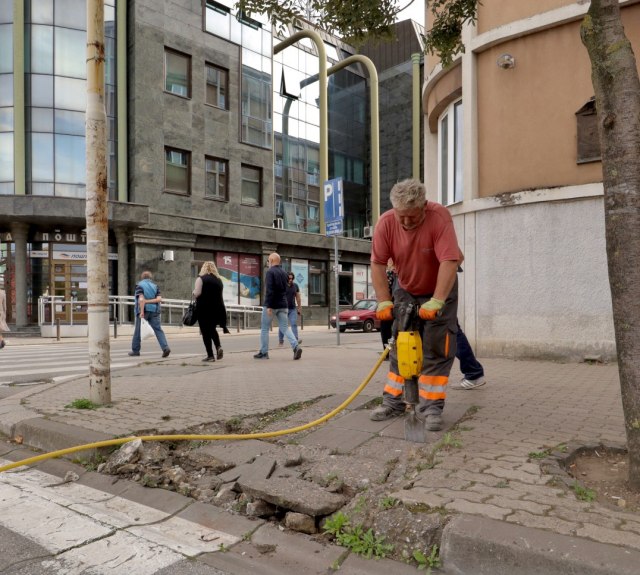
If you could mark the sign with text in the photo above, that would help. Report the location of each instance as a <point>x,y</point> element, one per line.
<point>333,207</point>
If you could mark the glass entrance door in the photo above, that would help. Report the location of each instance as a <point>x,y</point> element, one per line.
<point>69,281</point>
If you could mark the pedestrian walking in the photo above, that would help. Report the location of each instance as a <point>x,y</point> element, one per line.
<point>294,307</point>
<point>3,317</point>
<point>420,238</point>
<point>275,305</point>
<point>147,306</point>
<point>471,368</point>
<point>210,307</point>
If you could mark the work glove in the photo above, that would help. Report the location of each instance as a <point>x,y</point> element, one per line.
<point>384,311</point>
<point>430,309</point>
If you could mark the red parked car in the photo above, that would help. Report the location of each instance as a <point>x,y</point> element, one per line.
<point>362,315</point>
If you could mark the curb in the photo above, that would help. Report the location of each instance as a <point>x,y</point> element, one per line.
<point>483,546</point>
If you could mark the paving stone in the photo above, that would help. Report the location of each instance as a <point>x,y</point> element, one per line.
<point>543,522</point>
<point>529,506</point>
<point>421,496</point>
<point>517,475</point>
<point>336,439</point>
<point>464,506</point>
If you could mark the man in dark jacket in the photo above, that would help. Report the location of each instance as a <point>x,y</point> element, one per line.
<point>275,304</point>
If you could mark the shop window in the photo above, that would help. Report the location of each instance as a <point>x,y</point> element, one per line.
<point>251,186</point>
<point>177,73</point>
<point>216,184</point>
<point>177,171</point>
<point>588,135</point>
<point>217,86</point>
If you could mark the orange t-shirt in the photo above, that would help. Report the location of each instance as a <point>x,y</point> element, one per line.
<point>416,253</point>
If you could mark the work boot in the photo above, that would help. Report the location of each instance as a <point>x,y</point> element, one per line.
<point>297,352</point>
<point>433,422</point>
<point>166,352</point>
<point>261,355</point>
<point>384,412</point>
<point>220,353</point>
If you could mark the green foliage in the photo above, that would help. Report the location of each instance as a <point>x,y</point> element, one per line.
<point>445,36</point>
<point>427,562</point>
<point>584,493</point>
<point>336,523</point>
<point>388,502</point>
<point>354,21</point>
<point>82,403</point>
<point>355,538</point>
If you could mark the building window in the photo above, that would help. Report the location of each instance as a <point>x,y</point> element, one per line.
<point>256,104</point>
<point>251,186</point>
<point>450,154</point>
<point>177,171</point>
<point>317,283</point>
<point>217,87</point>
<point>216,184</point>
<point>177,73</point>
<point>588,135</point>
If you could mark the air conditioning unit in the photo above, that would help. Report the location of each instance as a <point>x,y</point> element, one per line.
<point>367,232</point>
<point>278,223</point>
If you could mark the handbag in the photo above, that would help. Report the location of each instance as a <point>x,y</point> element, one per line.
<point>146,330</point>
<point>190,316</point>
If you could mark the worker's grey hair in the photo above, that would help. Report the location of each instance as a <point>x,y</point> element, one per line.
<point>408,194</point>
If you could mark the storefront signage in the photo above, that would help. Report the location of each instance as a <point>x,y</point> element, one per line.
<point>73,237</point>
<point>62,255</point>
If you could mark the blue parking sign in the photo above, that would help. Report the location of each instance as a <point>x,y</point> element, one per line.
<point>333,207</point>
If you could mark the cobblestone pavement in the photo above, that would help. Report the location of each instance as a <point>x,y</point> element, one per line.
<point>526,406</point>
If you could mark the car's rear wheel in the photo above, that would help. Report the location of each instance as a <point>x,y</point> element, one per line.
<point>343,329</point>
<point>367,326</point>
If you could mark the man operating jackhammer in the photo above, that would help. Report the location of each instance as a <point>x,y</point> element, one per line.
<point>420,238</point>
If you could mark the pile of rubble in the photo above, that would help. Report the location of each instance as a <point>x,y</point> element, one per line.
<point>294,485</point>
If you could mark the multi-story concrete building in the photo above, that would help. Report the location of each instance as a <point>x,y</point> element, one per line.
<point>199,112</point>
<point>512,149</point>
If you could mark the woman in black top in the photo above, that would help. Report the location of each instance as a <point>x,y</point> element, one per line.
<point>210,308</point>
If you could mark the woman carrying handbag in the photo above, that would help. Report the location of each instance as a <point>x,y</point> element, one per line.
<point>210,307</point>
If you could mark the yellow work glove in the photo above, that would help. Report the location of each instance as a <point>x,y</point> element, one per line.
<point>430,309</point>
<point>384,311</point>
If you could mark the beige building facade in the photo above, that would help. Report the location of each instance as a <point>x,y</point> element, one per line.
<point>511,148</point>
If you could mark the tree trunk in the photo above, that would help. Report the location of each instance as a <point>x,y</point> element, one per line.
<point>617,91</point>
<point>96,210</point>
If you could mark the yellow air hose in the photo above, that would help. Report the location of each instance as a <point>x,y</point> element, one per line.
<point>234,436</point>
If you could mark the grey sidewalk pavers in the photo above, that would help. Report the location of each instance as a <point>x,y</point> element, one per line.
<point>526,406</point>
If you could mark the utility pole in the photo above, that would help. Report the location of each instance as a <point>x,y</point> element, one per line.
<point>97,214</point>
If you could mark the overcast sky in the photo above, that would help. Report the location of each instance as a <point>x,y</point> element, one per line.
<point>415,11</point>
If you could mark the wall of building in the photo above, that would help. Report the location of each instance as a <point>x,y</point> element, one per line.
<point>531,223</point>
<point>535,281</point>
<point>495,13</point>
<point>526,114</point>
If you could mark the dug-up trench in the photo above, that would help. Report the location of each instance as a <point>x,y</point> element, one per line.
<point>304,488</point>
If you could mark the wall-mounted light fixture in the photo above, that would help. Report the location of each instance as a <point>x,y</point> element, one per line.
<point>506,61</point>
<point>167,256</point>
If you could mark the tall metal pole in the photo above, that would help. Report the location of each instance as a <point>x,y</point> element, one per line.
<point>336,273</point>
<point>96,210</point>
<point>415,59</point>
<point>324,114</point>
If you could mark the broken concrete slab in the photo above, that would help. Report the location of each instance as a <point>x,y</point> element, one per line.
<point>260,469</point>
<point>294,494</point>
<point>337,439</point>
<point>237,452</point>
